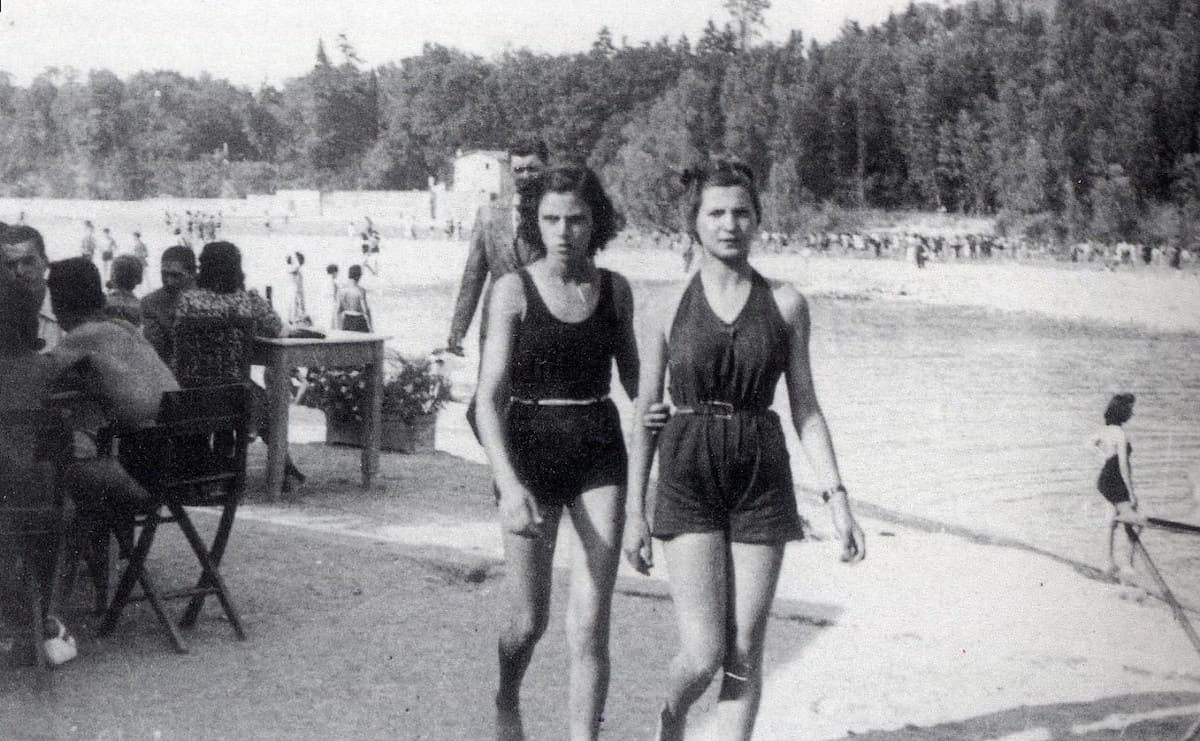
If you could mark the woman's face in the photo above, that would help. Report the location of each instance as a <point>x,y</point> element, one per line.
<point>726,223</point>
<point>565,223</point>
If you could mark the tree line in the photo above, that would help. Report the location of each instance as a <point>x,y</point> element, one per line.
<point>1083,122</point>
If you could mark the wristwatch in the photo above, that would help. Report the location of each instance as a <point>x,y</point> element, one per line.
<point>828,493</point>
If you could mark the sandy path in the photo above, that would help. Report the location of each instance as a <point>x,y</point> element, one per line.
<point>1006,629</point>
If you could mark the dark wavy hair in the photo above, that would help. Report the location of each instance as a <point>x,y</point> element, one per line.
<point>1119,409</point>
<point>716,173</point>
<point>581,182</point>
<point>20,234</point>
<point>221,268</point>
<point>127,272</point>
<point>181,254</point>
<point>75,288</point>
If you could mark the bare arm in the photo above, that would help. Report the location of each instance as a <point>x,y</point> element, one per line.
<point>518,510</point>
<point>266,322</point>
<point>655,325</point>
<point>810,423</point>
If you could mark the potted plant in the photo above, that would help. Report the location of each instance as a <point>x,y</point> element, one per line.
<point>414,390</point>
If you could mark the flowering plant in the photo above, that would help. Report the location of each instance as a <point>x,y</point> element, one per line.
<point>411,389</point>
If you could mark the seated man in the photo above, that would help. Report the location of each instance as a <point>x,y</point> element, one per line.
<point>158,308</point>
<point>29,379</point>
<point>121,376</point>
<point>121,302</point>
<point>124,373</point>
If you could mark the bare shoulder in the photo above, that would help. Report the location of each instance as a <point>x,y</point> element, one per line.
<point>793,307</point>
<point>508,295</point>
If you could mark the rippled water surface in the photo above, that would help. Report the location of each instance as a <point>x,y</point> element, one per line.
<point>979,419</point>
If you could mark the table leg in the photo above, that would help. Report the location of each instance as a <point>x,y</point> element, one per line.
<point>372,424</point>
<point>278,401</point>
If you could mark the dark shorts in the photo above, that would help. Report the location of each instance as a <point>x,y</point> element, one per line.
<point>726,475</point>
<point>354,323</point>
<point>559,452</point>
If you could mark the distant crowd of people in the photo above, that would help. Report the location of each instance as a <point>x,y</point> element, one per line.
<point>919,249</point>
<point>191,227</point>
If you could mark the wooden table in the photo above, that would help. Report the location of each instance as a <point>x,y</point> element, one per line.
<point>338,348</point>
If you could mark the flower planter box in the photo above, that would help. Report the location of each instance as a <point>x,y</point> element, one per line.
<point>396,435</point>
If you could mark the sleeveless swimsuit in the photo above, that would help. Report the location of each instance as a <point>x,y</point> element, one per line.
<point>560,451</point>
<point>723,463</point>
<point>1110,483</point>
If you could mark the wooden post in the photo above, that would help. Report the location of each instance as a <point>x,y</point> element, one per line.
<point>1167,595</point>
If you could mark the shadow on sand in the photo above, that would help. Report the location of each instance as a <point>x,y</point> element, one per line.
<point>1147,716</point>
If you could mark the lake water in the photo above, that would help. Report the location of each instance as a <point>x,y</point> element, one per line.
<point>974,419</point>
<point>979,420</point>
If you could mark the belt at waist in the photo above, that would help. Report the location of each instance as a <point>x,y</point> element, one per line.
<point>560,402</point>
<point>719,409</point>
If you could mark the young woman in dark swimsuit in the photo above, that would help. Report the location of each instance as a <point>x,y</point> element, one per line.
<point>1115,482</point>
<point>554,438</point>
<point>725,504</point>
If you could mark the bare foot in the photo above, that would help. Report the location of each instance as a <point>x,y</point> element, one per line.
<point>669,728</point>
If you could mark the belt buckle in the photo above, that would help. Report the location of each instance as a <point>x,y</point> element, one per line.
<point>720,409</point>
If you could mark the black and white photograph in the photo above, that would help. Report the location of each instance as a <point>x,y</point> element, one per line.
<point>707,370</point>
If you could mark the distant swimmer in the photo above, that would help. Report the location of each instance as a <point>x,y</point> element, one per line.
<point>1115,482</point>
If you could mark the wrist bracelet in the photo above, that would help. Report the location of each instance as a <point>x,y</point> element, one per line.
<point>828,493</point>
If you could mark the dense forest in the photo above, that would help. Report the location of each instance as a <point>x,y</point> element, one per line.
<point>1084,122</point>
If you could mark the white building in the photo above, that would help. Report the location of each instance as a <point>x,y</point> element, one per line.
<point>480,171</point>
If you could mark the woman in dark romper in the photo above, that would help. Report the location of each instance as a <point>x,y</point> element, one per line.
<point>554,438</point>
<point>725,505</point>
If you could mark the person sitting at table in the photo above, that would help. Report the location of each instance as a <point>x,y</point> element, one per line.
<point>121,303</point>
<point>121,377</point>
<point>178,270</point>
<point>220,297</point>
<point>29,378</point>
<point>124,372</point>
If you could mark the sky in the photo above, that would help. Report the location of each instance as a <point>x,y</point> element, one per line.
<point>250,42</point>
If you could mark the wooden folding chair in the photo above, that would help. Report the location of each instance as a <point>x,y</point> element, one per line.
<point>34,516</point>
<point>195,456</point>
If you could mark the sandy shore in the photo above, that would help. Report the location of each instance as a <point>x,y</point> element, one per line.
<point>932,637</point>
<point>930,632</point>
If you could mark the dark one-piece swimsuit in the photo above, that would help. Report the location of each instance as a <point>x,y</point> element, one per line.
<point>1110,483</point>
<point>560,451</point>
<point>724,467</point>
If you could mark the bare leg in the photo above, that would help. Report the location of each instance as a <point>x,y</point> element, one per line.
<point>1111,541</point>
<point>528,569</point>
<point>698,574</point>
<point>753,575</point>
<point>598,517</point>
